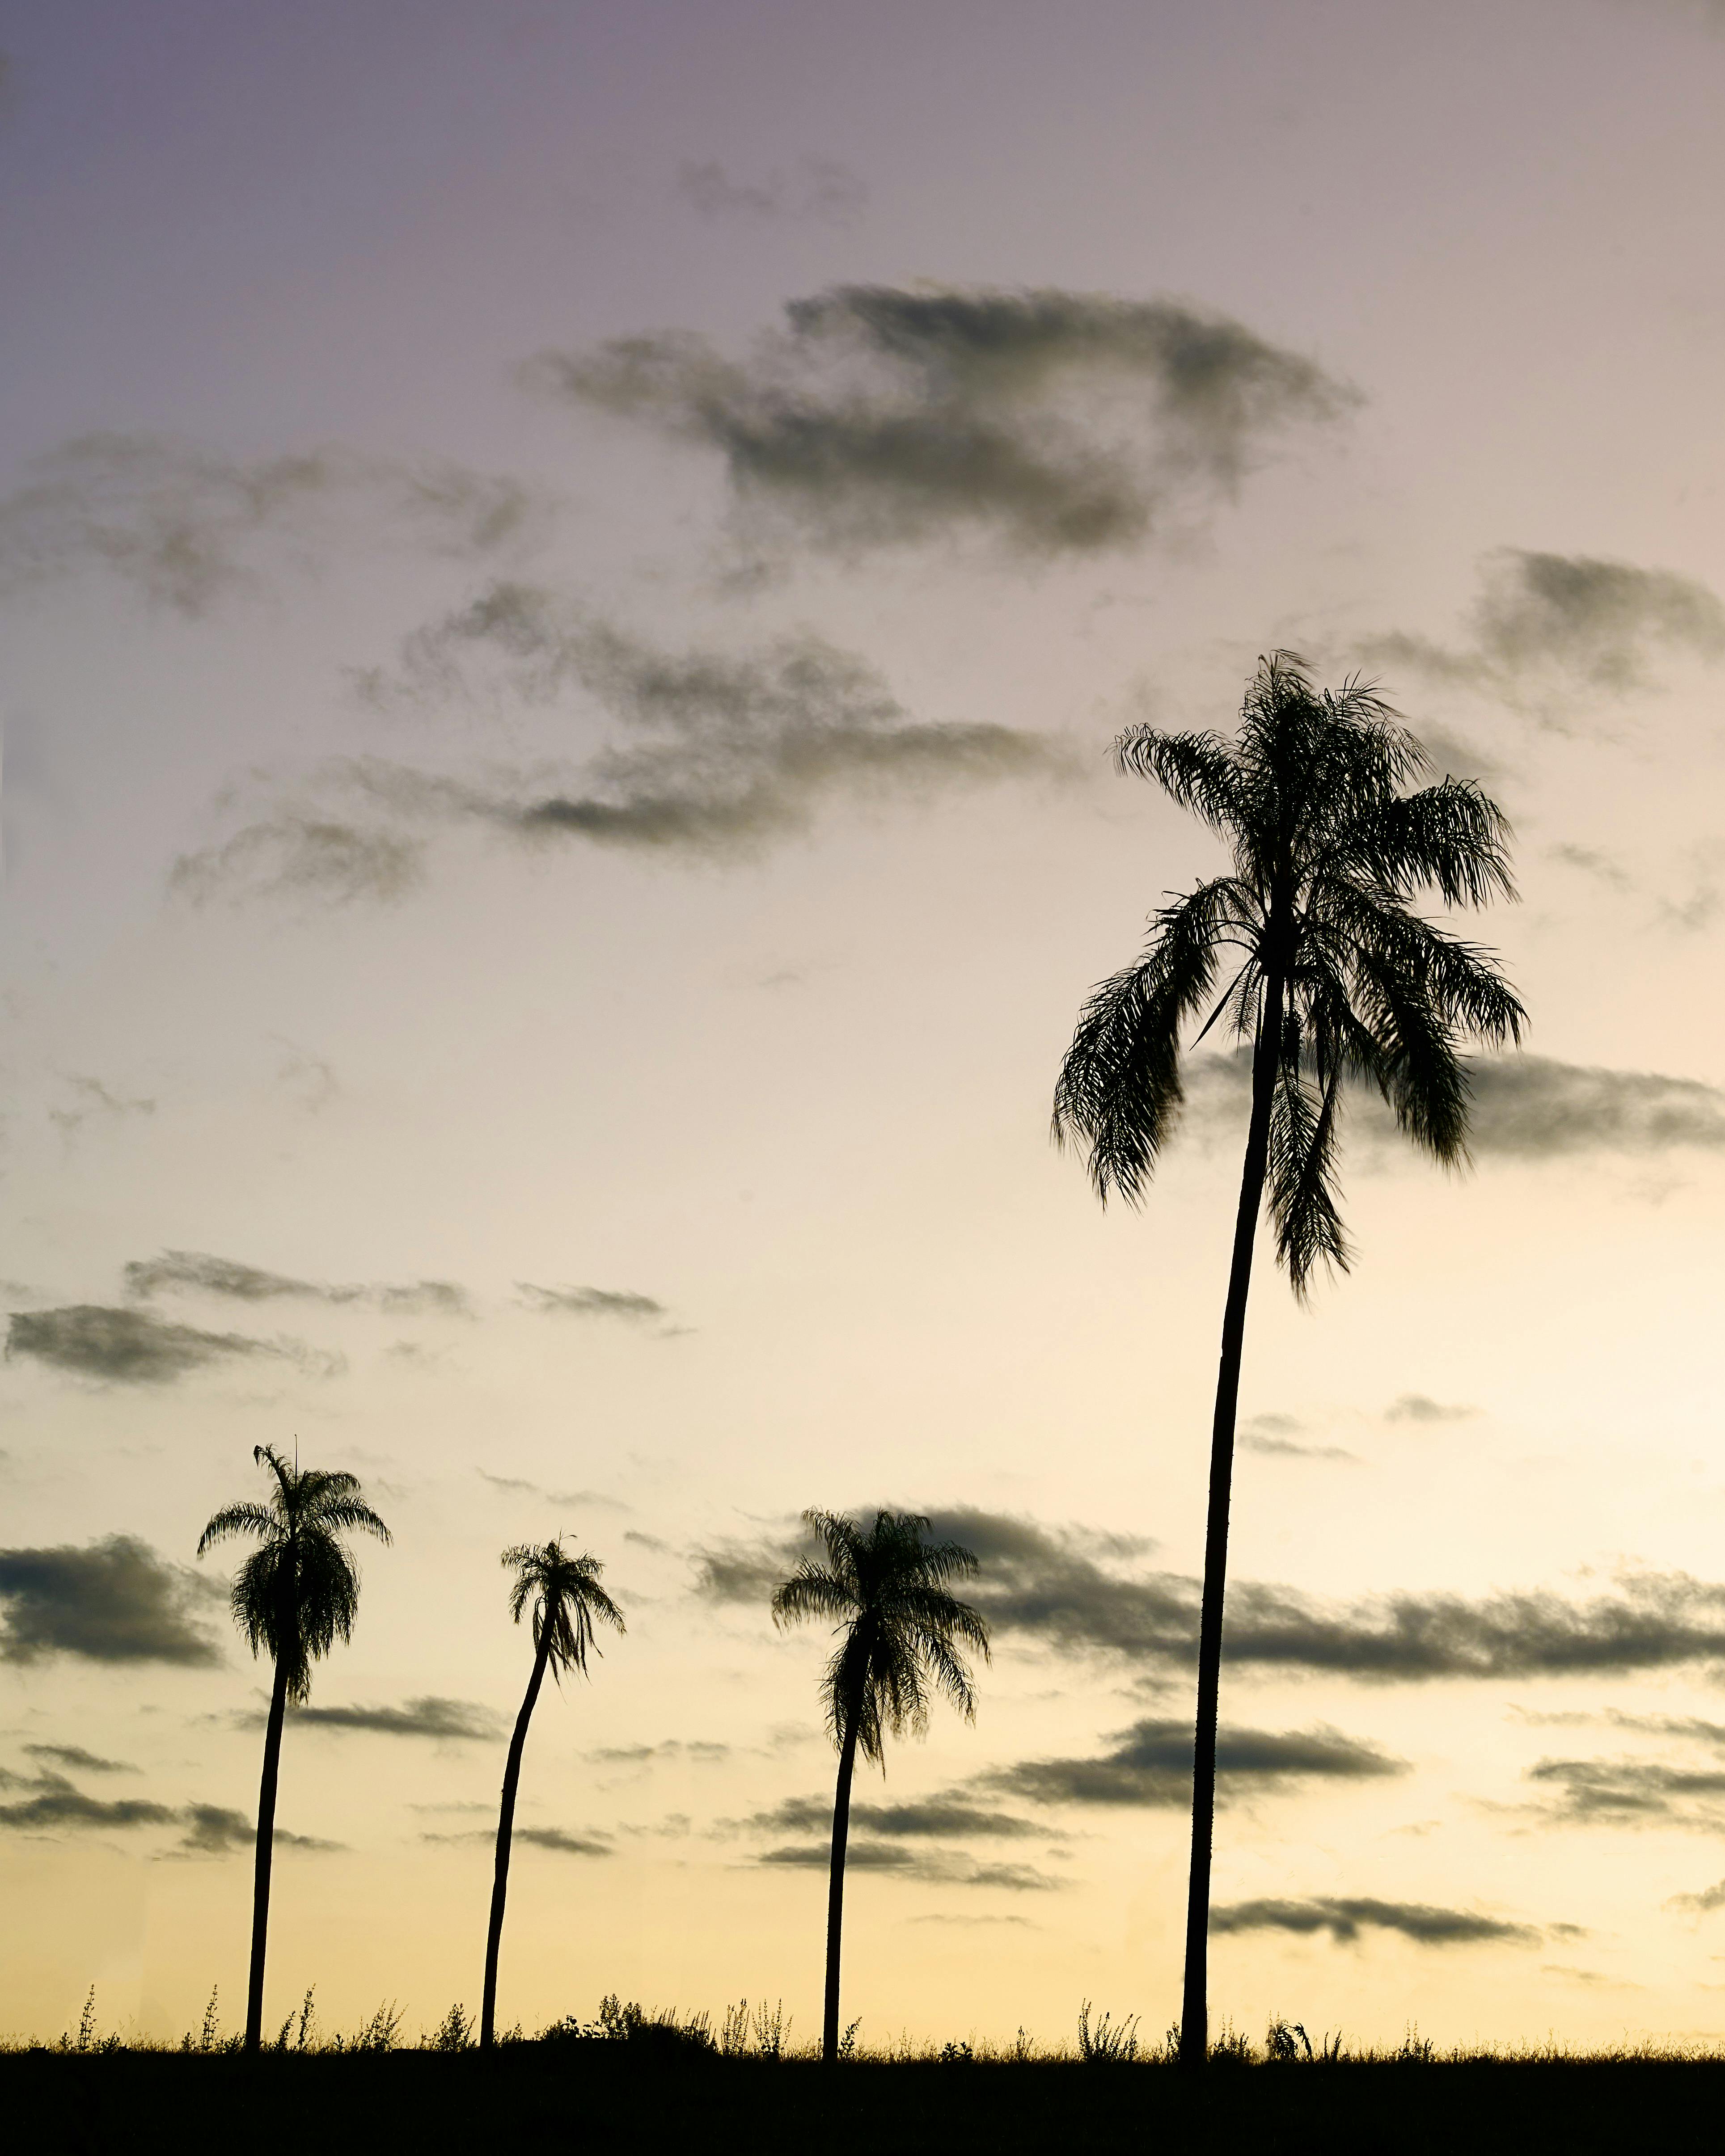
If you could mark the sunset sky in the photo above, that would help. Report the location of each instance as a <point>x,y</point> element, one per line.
<point>570,571</point>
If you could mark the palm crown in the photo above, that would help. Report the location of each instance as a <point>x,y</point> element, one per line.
<point>566,1596</point>
<point>887,1587</point>
<point>1335,974</point>
<point>297,1593</point>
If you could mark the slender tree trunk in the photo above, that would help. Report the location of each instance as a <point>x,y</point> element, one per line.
<point>266,1850</point>
<point>506,1827</point>
<point>1194,2008</point>
<point>835,1892</point>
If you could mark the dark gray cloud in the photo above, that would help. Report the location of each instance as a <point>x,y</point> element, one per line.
<point>74,1758</point>
<point>129,1347</point>
<point>1344,1917</point>
<point>818,189</point>
<point>196,1272</point>
<point>187,527</point>
<point>920,1819</point>
<point>562,1842</point>
<point>1547,628</point>
<point>943,1867</point>
<point>1151,1765</point>
<point>218,1830</point>
<point>1056,421</point>
<point>113,1601</point>
<point>592,1302</point>
<point>58,1805</point>
<point>1072,1592</point>
<point>450,1721</point>
<point>720,755</point>
<point>1629,1792</point>
<point>1523,1107</point>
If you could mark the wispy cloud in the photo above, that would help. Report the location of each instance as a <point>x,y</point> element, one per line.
<point>1548,629</point>
<point>818,190</point>
<point>187,525</point>
<point>76,1760</point>
<point>112,1601</point>
<point>1421,1407</point>
<point>121,1347</point>
<point>196,1272</point>
<point>946,1817</point>
<point>1057,421</point>
<point>622,1303</point>
<point>446,1721</point>
<point>943,1867</point>
<point>1344,1917</point>
<point>1274,1437</point>
<point>1151,1765</point>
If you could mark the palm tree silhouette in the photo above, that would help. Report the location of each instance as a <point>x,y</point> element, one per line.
<point>294,1597</point>
<point>567,1597</point>
<point>885,1590</point>
<point>1336,977</point>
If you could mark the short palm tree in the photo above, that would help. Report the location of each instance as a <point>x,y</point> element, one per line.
<point>1334,977</point>
<point>899,1632</point>
<point>566,1597</point>
<point>294,1597</point>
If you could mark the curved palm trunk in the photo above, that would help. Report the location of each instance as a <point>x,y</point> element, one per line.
<point>266,1850</point>
<point>835,1891</point>
<point>1194,2007</point>
<point>506,1827</point>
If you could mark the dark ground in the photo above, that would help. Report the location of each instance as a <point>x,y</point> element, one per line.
<point>600,2098</point>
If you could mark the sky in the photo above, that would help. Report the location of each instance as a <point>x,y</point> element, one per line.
<point>570,574</point>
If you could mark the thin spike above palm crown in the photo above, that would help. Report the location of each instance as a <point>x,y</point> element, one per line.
<point>884,1589</point>
<point>567,1599</point>
<point>1330,855</point>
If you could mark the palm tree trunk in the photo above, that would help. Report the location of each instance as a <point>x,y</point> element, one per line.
<point>506,1827</point>
<point>1194,2007</point>
<point>266,1850</point>
<point>835,1891</point>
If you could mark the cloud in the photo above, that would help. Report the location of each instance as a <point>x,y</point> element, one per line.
<point>218,1830</point>
<point>938,1866</point>
<point>75,1756</point>
<point>702,1751</point>
<point>1704,1903</point>
<point>1058,422</point>
<point>448,1721</point>
<point>1344,1919</point>
<point>592,1302</point>
<point>94,1099</point>
<point>186,525</point>
<point>1271,1436</point>
<point>114,1601</point>
<point>57,1804</point>
<point>1629,1792</point>
<point>721,755</point>
<point>296,854</point>
<point>129,1347</point>
<point>554,1838</point>
<point>1151,1765</point>
<point>1547,627</point>
<point>1420,1407</point>
<point>918,1820</point>
<point>514,1482</point>
<point>196,1272</point>
<point>820,189</point>
<point>1069,1592</point>
<point>1523,1107</point>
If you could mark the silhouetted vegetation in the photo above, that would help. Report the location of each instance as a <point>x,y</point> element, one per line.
<point>884,1587</point>
<point>1334,978</point>
<point>565,1597</point>
<point>636,2078</point>
<point>294,1597</point>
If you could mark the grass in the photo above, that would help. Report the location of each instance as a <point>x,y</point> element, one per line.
<point>633,2079</point>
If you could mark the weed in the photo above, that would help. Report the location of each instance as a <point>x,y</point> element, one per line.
<point>1104,2044</point>
<point>454,2033</point>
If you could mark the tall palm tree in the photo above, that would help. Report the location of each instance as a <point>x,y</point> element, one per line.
<point>884,1587</point>
<point>566,1596</point>
<point>295,1596</point>
<point>1334,978</point>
